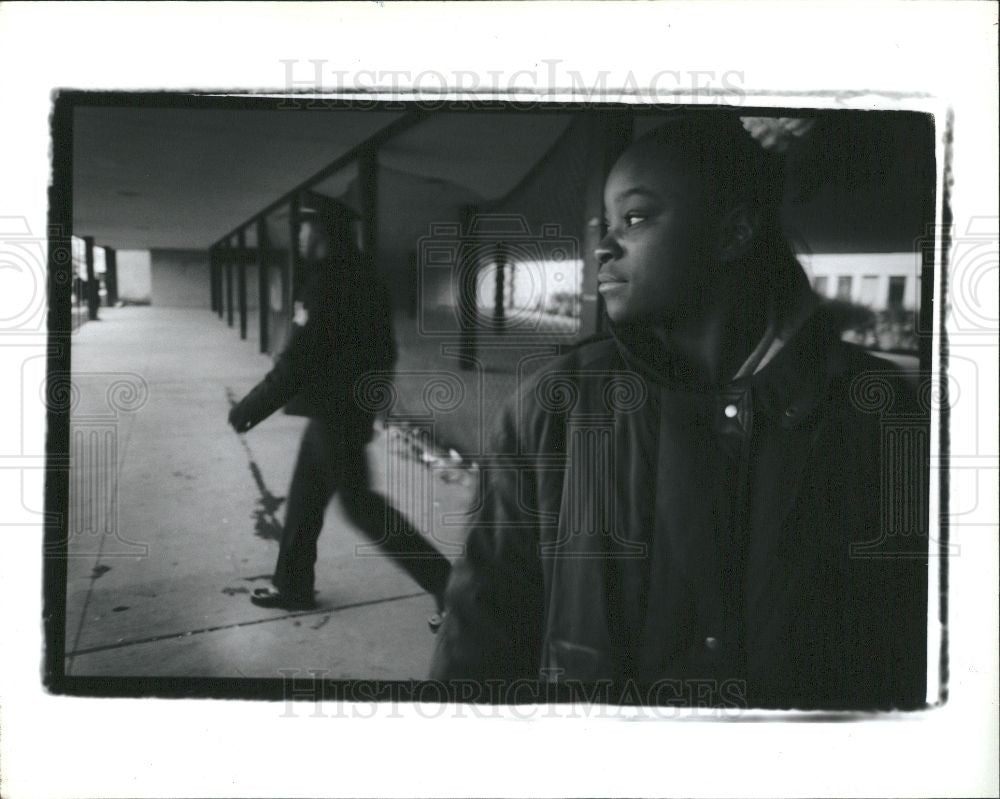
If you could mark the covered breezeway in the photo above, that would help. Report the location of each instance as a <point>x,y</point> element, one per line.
<point>483,224</point>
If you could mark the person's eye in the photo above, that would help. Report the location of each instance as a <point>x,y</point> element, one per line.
<point>632,219</point>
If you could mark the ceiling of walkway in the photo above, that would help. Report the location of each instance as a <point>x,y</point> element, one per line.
<point>170,177</point>
<point>183,177</point>
<point>147,177</point>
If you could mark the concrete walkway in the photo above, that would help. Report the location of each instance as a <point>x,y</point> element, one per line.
<point>174,519</point>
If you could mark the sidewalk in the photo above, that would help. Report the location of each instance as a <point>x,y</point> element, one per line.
<point>174,519</point>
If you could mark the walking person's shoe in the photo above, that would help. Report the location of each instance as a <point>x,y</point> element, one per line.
<point>435,620</point>
<point>273,598</point>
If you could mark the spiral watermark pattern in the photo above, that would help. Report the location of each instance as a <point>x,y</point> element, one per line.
<point>128,394</point>
<point>873,392</point>
<point>375,392</point>
<point>443,393</point>
<point>625,393</point>
<point>938,392</point>
<point>557,392</point>
<point>60,393</point>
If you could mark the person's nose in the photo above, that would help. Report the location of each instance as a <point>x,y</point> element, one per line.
<point>607,249</point>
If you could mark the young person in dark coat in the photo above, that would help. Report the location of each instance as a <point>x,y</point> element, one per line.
<point>347,334</point>
<point>701,506</point>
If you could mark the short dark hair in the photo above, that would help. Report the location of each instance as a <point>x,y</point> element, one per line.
<point>732,166</point>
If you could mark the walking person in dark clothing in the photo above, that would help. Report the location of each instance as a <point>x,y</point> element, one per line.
<point>346,334</point>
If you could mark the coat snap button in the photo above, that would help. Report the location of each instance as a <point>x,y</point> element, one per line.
<point>731,411</point>
<point>712,643</point>
<point>791,410</point>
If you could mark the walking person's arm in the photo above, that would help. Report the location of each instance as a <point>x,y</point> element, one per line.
<point>308,353</point>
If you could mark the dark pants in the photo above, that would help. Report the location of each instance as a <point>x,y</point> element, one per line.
<point>333,460</point>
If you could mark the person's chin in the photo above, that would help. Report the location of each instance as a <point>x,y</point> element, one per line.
<point>622,312</point>
<point>616,303</point>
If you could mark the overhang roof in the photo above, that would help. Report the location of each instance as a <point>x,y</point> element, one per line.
<point>148,177</point>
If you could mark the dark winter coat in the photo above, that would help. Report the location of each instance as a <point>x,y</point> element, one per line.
<point>346,342</point>
<point>766,538</point>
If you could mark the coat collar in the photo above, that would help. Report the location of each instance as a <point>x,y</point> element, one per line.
<point>791,385</point>
<point>788,370</point>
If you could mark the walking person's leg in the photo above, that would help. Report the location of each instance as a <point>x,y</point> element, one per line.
<point>313,485</point>
<point>377,519</point>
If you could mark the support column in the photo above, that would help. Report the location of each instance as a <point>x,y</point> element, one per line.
<point>111,275</point>
<point>241,281</point>
<point>368,178</point>
<point>93,294</point>
<point>263,297</point>
<point>213,275</point>
<point>216,261</point>
<point>610,133</point>
<point>468,270</point>
<point>499,317</point>
<point>295,257</point>
<point>227,256</point>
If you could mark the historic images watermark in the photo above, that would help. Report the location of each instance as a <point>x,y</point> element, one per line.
<point>22,277</point>
<point>98,403</point>
<point>975,266</point>
<point>307,695</point>
<point>546,81</point>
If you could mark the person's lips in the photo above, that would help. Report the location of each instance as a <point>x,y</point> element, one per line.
<point>607,281</point>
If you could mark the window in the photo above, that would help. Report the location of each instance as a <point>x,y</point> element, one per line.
<point>844,285</point>
<point>869,290</point>
<point>897,292</point>
<point>819,285</point>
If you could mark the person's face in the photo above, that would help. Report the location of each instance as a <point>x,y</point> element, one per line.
<point>313,243</point>
<point>655,262</point>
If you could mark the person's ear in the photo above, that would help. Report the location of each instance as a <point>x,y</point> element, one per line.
<point>737,231</point>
